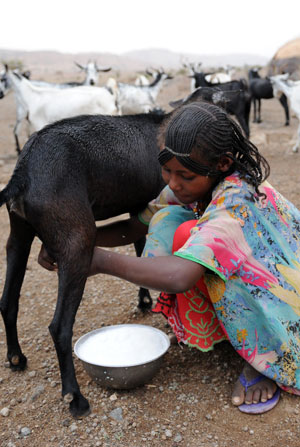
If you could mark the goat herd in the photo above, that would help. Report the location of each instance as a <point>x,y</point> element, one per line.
<point>89,165</point>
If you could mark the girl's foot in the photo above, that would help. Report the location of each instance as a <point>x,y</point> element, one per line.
<point>173,339</point>
<point>259,392</point>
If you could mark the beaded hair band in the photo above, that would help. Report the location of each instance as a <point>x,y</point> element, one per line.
<point>166,154</point>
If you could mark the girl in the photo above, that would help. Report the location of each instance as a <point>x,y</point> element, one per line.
<point>224,248</point>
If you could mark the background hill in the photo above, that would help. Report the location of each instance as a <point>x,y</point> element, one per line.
<point>43,62</point>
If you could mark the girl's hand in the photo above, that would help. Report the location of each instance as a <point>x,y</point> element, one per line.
<point>45,261</point>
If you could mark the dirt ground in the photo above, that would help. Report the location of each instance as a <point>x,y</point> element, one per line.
<point>188,403</point>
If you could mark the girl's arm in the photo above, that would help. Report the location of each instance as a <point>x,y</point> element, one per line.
<point>115,234</point>
<point>170,274</point>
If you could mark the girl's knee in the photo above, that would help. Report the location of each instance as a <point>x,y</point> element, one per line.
<point>182,234</point>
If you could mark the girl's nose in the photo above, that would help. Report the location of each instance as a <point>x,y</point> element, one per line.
<point>173,184</point>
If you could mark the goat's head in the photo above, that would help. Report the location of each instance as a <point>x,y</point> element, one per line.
<point>92,72</point>
<point>4,83</point>
<point>277,82</point>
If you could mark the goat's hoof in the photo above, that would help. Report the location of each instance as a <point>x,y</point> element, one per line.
<point>295,150</point>
<point>287,123</point>
<point>145,306</point>
<point>17,362</point>
<point>79,407</point>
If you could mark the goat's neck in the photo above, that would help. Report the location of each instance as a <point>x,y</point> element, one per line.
<point>155,88</point>
<point>24,88</point>
<point>283,87</point>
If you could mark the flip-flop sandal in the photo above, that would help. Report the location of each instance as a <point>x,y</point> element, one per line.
<point>260,407</point>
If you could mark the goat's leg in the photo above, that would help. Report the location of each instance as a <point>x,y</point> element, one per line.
<point>18,249</point>
<point>254,110</point>
<point>73,261</point>
<point>244,125</point>
<point>21,115</point>
<point>16,135</point>
<point>284,102</point>
<point>258,109</point>
<point>297,145</point>
<point>145,300</point>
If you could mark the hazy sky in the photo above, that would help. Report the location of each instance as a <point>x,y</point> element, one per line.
<point>116,26</point>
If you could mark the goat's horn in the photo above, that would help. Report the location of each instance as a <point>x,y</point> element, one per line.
<point>78,65</point>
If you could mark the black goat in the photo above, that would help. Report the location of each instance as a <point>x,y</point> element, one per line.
<point>214,95</point>
<point>261,88</point>
<point>241,107</point>
<point>68,175</point>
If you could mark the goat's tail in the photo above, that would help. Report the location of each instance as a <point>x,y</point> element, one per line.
<point>12,190</point>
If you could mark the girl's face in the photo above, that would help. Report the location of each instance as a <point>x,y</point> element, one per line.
<point>187,186</point>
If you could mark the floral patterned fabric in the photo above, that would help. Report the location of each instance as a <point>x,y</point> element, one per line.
<point>250,246</point>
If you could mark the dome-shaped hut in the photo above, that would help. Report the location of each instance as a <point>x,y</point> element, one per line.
<point>287,59</point>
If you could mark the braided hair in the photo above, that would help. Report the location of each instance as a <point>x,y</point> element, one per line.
<point>206,132</point>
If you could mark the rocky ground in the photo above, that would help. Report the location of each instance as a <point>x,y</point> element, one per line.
<point>188,402</point>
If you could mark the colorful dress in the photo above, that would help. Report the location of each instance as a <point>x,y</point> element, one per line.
<point>250,293</point>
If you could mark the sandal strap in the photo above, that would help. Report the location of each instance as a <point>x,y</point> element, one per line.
<point>247,384</point>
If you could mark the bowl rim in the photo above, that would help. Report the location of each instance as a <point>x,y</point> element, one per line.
<point>88,334</point>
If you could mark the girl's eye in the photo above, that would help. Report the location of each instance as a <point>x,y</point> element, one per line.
<point>187,178</point>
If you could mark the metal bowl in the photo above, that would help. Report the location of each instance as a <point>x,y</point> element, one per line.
<point>131,354</point>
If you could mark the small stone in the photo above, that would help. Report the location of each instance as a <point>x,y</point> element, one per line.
<point>168,433</point>
<point>4,412</point>
<point>208,417</point>
<point>32,373</point>
<point>117,414</point>
<point>251,432</point>
<point>37,392</point>
<point>245,428</point>
<point>25,431</point>
<point>113,397</point>
<point>73,427</point>
<point>178,438</point>
<point>66,422</point>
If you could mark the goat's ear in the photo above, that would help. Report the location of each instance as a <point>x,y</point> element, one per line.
<point>175,104</point>
<point>17,75</point>
<point>26,74</point>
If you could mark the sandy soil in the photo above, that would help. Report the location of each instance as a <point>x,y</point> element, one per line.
<point>188,402</point>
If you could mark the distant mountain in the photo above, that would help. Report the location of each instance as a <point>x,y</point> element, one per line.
<point>43,62</point>
<point>173,60</point>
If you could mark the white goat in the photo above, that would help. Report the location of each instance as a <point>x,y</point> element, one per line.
<point>44,105</point>
<point>291,89</point>
<point>220,77</point>
<point>132,99</point>
<point>92,74</point>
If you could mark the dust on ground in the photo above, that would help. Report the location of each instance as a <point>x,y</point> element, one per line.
<point>188,402</point>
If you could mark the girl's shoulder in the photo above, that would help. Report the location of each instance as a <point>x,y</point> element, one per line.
<point>234,186</point>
